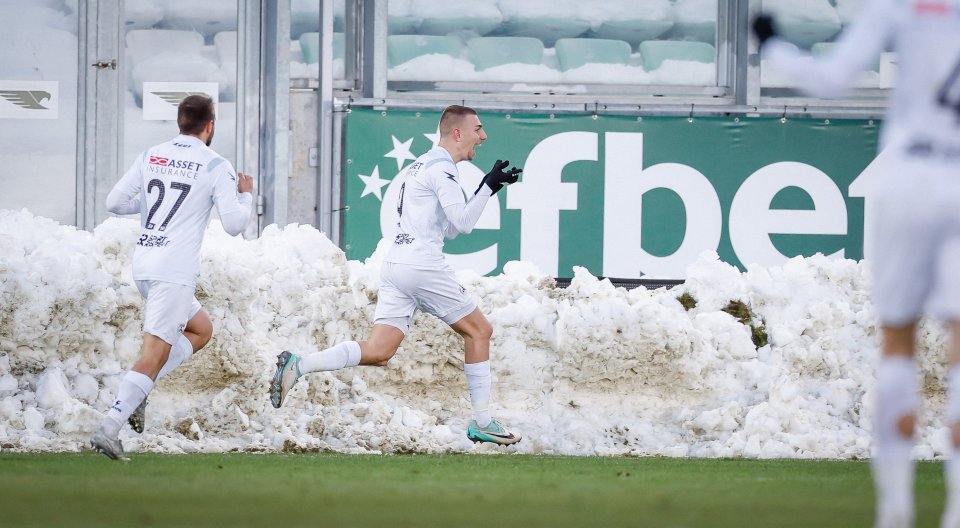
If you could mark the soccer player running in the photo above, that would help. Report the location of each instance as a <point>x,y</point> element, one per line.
<point>916,237</point>
<point>415,275</point>
<point>173,186</point>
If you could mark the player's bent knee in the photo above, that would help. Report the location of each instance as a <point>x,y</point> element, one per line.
<point>484,330</point>
<point>205,338</point>
<point>199,330</point>
<point>481,330</point>
<point>377,357</point>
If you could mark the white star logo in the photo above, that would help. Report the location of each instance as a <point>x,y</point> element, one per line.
<point>373,184</point>
<point>401,151</point>
<point>434,138</point>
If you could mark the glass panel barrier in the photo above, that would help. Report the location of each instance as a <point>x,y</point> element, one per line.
<point>814,26</point>
<point>537,43</point>
<point>305,39</point>
<point>38,108</point>
<point>174,48</point>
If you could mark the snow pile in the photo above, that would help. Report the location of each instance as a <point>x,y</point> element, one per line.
<point>587,370</point>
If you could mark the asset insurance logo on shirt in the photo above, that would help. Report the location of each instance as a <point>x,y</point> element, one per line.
<point>161,99</point>
<point>29,99</point>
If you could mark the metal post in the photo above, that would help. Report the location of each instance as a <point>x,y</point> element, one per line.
<point>750,54</point>
<point>99,107</point>
<point>325,203</point>
<point>374,52</point>
<point>731,48</point>
<point>275,112</point>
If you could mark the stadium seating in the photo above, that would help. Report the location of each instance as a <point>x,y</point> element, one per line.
<point>805,23</point>
<point>207,18</point>
<point>226,45</point>
<point>400,19</point>
<point>176,67</point>
<point>448,25</point>
<point>305,17</point>
<point>575,52</point>
<point>655,52</point>
<point>695,20</point>
<point>141,14</point>
<point>403,25</point>
<point>170,55</point>
<point>145,43</point>
<point>546,29</point>
<point>808,33</point>
<point>54,57</point>
<point>487,52</point>
<point>402,48</point>
<point>310,47</point>
<point>633,31</point>
<point>456,17</point>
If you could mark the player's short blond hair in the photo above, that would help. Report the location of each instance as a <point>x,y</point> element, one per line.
<point>452,116</point>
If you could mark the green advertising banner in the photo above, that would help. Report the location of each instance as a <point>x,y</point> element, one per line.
<point>625,196</point>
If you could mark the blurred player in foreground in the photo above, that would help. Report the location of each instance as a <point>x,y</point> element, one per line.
<point>415,274</point>
<point>916,235</point>
<point>173,186</point>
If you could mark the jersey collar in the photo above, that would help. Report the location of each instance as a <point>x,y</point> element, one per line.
<point>185,138</point>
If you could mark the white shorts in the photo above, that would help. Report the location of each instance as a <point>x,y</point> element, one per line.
<point>404,290</point>
<point>916,242</point>
<point>169,307</point>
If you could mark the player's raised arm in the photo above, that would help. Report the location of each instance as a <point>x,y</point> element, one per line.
<point>833,74</point>
<point>234,209</point>
<point>463,217</point>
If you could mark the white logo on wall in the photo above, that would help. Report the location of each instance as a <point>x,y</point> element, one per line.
<point>29,99</point>
<point>160,99</point>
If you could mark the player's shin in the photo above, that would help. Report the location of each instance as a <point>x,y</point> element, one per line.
<point>342,355</point>
<point>893,469</point>
<point>479,380</point>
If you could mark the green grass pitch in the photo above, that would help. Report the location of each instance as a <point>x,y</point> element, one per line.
<point>318,490</point>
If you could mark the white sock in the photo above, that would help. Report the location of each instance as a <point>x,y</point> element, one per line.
<point>952,466</point>
<point>893,470</point>
<point>343,355</point>
<point>478,377</point>
<point>179,353</point>
<point>133,389</point>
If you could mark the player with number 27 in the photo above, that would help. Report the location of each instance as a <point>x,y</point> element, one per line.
<point>173,186</point>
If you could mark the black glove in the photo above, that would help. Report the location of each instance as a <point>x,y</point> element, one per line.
<point>763,28</point>
<point>496,178</point>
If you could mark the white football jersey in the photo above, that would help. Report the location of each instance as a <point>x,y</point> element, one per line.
<point>923,116</point>
<point>173,186</point>
<point>431,185</point>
